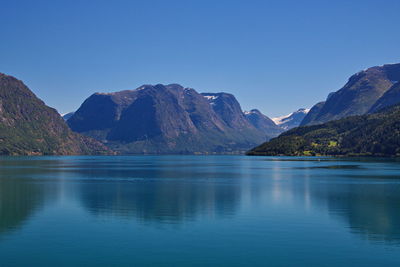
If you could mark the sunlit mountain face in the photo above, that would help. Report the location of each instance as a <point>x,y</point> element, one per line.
<point>29,127</point>
<point>366,91</point>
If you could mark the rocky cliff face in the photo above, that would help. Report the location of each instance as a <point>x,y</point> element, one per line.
<point>358,96</point>
<point>228,109</point>
<point>29,127</point>
<point>166,119</point>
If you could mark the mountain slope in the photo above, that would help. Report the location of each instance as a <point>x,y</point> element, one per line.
<point>29,127</point>
<point>358,96</point>
<point>375,134</point>
<point>390,98</point>
<point>166,119</point>
<point>229,111</point>
<point>291,120</point>
<point>100,112</point>
<point>67,115</point>
<point>313,113</point>
<point>263,123</point>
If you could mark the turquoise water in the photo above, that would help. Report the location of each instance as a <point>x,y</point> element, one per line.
<point>199,211</point>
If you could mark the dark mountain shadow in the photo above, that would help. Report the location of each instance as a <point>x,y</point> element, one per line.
<point>367,199</point>
<point>157,192</point>
<point>371,210</point>
<point>20,196</point>
<point>161,202</point>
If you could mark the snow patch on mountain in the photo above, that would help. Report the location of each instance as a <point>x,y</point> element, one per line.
<point>281,119</point>
<point>249,112</point>
<point>211,97</point>
<point>68,115</point>
<point>291,120</point>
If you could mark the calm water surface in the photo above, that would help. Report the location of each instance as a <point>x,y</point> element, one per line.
<point>199,211</point>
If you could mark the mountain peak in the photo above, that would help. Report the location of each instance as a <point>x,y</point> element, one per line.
<point>172,86</point>
<point>261,121</point>
<point>291,120</point>
<point>253,111</point>
<point>357,96</point>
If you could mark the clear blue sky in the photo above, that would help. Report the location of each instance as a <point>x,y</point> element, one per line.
<point>276,56</point>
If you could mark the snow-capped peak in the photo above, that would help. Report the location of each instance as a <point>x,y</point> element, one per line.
<point>253,111</point>
<point>291,120</point>
<point>281,119</point>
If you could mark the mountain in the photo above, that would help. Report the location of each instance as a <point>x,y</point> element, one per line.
<point>228,109</point>
<point>263,123</point>
<point>291,120</point>
<point>375,134</point>
<point>390,98</point>
<point>67,115</point>
<point>312,113</point>
<point>166,119</point>
<point>358,96</point>
<point>29,127</point>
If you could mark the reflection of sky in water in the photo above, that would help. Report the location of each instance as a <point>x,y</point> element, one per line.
<point>345,201</point>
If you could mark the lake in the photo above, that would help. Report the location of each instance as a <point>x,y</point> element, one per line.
<point>199,211</point>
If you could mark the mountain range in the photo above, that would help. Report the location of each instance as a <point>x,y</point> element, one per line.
<point>171,119</point>
<point>376,134</point>
<point>156,119</point>
<point>362,118</point>
<point>29,127</point>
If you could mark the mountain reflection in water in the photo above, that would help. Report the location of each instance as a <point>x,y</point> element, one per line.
<point>165,190</point>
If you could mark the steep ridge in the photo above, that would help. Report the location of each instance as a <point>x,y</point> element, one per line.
<point>100,112</point>
<point>29,127</point>
<point>358,96</point>
<point>313,113</point>
<point>228,109</point>
<point>263,123</point>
